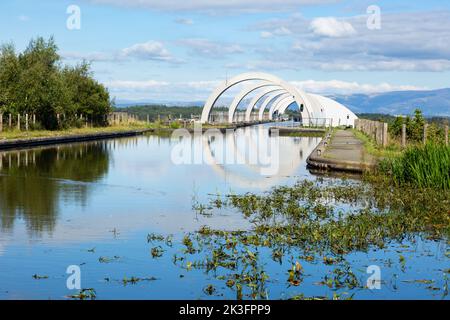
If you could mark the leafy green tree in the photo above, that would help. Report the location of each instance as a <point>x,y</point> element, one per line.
<point>414,128</point>
<point>395,127</point>
<point>9,69</point>
<point>87,95</point>
<point>36,82</point>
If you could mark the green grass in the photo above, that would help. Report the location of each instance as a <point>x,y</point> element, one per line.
<point>16,134</point>
<point>302,134</point>
<point>421,166</point>
<point>393,150</point>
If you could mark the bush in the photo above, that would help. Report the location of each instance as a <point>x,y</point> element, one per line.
<point>175,125</point>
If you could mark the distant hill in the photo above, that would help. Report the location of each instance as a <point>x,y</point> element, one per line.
<point>432,102</point>
<point>129,103</point>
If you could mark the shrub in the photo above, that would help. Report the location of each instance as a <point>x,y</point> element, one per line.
<point>175,125</point>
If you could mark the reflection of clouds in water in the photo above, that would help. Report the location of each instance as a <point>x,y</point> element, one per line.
<point>141,189</point>
<point>151,159</point>
<point>90,228</point>
<point>248,142</point>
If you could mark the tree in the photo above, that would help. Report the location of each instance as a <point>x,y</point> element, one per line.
<point>415,127</point>
<point>396,126</point>
<point>87,95</point>
<point>36,82</point>
<point>9,69</point>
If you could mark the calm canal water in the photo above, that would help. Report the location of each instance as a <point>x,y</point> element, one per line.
<point>93,205</point>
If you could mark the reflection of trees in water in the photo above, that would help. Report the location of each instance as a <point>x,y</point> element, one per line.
<point>33,181</point>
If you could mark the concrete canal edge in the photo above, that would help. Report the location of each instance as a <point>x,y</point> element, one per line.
<point>330,155</point>
<point>43,141</point>
<point>290,130</point>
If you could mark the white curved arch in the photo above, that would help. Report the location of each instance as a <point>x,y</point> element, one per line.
<point>340,114</point>
<point>238,99</point>
<point>267,102</point>
<point>299,95</point>
<point>282,106</point>
<point>276,103</point>
<point>257,98</point>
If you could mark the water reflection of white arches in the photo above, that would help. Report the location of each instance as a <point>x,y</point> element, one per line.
<point>244,144</point>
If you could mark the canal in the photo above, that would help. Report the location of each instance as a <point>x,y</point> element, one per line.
<point>102,206</point>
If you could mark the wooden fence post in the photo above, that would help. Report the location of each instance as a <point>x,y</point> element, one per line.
<point>1,122</point>
<point>425,127</point>
<point>10,121</point>
<point>18,121</point>
<point>446,135</point>
<point>26,121</point>
<point>403,135</point>
<point>385,135</point>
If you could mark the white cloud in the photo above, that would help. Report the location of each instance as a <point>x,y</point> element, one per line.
<point>344,87</point>
<point>401,45</point>
<point>184,21</point>
<point>331,27</point>
<point>281,31</point>
<point>23,18</point>
<point>212,49</point>
<point>200,90</point>
<point>94,56</point>
<point>266,34</point>
<point>151,50</point>
<point>135,85</point>
<point>161,90</point>
<point>216,6</point>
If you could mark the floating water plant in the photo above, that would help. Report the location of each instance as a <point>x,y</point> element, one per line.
<point>108,259</point>
<point>134,280</point>
<point>308,217</point>
<point>157,252</point>
<point>84,294</point>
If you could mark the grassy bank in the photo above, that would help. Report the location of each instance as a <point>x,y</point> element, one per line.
<point>393,150</point>
<point>140,125</point>
<point>16,134</point>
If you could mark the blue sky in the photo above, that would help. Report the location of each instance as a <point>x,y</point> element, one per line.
<point>176,50</point>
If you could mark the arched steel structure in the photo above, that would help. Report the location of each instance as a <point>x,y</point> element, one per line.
<point>283,107</point>
<point>276,106</point>
<point>257,98</point>
<point>241,96</point>
<point>279,95</point>
<point>299,95</point>
<point>267,102</point>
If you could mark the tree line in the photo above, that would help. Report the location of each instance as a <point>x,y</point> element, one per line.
<point>163,112</point>
<point>35,81</point>
<point>414,125</point>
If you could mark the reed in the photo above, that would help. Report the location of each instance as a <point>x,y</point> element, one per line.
<point>421,166</point>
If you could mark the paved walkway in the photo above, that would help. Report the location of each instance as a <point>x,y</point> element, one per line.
<point>341,152</point>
